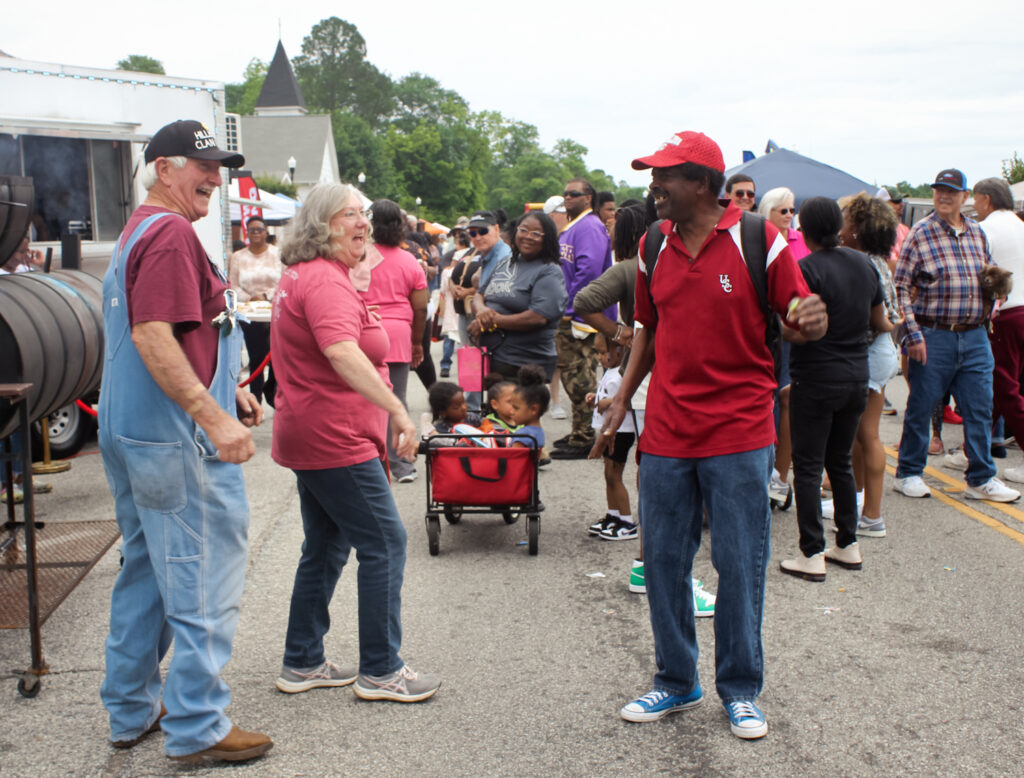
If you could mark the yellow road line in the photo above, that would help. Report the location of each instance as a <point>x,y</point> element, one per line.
<point>988,521</point>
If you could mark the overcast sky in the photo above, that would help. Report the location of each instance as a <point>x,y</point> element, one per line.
<point>886,91</point>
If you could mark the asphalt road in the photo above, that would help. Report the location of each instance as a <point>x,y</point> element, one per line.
<point>912,666</point>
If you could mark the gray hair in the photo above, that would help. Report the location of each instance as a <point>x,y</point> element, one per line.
<point>774,198</point>
<point>999,192</point>
<point>309,235</point>
<point>148,177</point>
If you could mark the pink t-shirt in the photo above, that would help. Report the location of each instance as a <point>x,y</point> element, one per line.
<point>320,422</point>
<point>797,247</point>
<point>391,283</point>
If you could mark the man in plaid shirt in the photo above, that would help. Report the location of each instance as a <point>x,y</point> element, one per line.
<point>940,292</point>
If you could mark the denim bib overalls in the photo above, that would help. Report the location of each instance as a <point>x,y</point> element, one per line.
<point>183,516</point>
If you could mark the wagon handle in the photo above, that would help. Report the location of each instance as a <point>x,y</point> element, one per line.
<point>502,467</point>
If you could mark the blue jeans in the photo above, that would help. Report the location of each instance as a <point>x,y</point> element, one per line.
<point>961,363</point>
<point>342,508</point>
<point>447,352</point>
<point>673,493</point>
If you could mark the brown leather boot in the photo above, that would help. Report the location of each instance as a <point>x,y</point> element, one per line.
<point>136,740</point>
<point>238,746</point>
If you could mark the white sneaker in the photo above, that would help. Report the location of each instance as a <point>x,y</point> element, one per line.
<point>811,568</point>
<point>956,459</point>
<point>828,508</point>
<point>1015,474</point>
<point>557,412</point>
<point>993,489</point>
<point>848,557</point>
<point>912,486</point>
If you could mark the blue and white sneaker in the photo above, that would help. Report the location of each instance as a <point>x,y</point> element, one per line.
<point>658,704</point>
<point>746,720</point>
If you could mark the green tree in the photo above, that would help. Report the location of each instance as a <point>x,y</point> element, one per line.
<point>443,166</point>
<point>140,63</point>
<point>241,98</point>
<point>418,97</point>
<point>276,186</point>
<point>362,150</point>
<point>1013,169</point>
<point>334,74</point>
<point>908,190</point>
<point>508,139</point>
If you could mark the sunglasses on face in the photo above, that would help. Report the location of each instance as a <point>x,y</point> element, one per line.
<point>475,233</point>
<point>572,193</point>
<point>743,192</point>
<point>256,230</point>
<point>784,211</point>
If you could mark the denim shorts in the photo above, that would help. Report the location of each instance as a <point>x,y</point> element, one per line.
<point>883,362</point>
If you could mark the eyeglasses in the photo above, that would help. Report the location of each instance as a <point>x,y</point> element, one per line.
<point>532,233</point>
<point>743,192</point>
<point>474,233</point>
<point>784,211</point>
<point>351,213</point>
<point>572,193</point>
<point>256,230</point>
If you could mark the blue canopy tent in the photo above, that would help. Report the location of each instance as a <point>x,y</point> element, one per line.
<point>805,176</point>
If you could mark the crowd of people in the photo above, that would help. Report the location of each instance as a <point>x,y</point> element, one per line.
<point>791,334</point>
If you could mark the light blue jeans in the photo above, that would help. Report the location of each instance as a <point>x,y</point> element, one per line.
<point>673,493</point>
<point>960,363</point>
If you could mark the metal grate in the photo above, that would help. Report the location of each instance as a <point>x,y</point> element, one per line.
<point>65,552</point>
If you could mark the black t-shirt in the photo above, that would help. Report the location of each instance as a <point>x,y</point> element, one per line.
<point>850,287</point>
<point>462,275</point>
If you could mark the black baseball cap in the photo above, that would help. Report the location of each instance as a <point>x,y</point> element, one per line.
<point>951,179</point>
<point>483,219</point>
<point>192,139</point>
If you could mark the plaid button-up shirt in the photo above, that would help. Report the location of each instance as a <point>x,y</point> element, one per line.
<point>937,274</point>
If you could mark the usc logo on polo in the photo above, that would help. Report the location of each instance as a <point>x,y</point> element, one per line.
<point>723,279</point>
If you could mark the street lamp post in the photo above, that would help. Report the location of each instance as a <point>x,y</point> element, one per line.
<point>419,202</point>
<point>291,169</point>
<point>361,178</point>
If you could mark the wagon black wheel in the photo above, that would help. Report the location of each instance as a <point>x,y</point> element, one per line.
<point>29,691</point>
<point>434,534</point>
<point>510,517</point>
<point>533,533</point>
<point>452,516</point>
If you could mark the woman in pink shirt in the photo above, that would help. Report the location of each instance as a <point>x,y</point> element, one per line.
<point>398,294</point>
<point>331,421</point>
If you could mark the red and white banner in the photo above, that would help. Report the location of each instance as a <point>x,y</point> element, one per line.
<point>248,190</point>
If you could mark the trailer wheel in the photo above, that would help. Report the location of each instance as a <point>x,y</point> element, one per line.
<point>510,517</point>
<point>29,691</point>
<point>433,534</point>
<point>452,516</point>
<point>533,533</point>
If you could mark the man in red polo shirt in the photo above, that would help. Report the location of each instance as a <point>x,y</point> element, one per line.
<point>708,434</point>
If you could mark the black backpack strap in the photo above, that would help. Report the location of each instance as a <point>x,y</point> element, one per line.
<point>654,238</point>
<point>755,254</point>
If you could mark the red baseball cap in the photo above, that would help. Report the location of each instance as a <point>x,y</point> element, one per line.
<point>683,147</point>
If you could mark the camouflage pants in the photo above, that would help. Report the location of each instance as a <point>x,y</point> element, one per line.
<point>577,363</point>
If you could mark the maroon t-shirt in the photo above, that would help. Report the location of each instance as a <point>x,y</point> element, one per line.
<point>169,277</point>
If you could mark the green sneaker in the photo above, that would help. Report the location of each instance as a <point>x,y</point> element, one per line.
<point>703,602</point>
<point>637,585</point>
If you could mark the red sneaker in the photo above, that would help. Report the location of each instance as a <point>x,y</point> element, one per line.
<point>949,416</point>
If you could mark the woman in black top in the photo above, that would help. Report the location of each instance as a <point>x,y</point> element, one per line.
<point>830,380</point>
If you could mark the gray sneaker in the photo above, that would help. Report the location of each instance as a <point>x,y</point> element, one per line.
<point>404,685</point>
<point>293,681</point>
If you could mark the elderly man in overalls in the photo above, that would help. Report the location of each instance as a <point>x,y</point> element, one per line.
<point>173,433</point>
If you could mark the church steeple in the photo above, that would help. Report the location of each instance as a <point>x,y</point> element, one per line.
<point>280,95</point>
